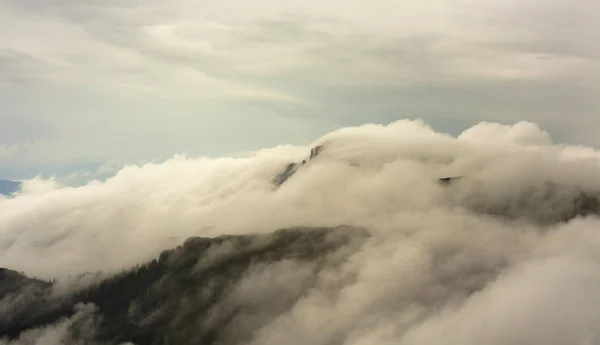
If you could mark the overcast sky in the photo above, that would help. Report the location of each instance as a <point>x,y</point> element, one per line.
<point>83,83</point>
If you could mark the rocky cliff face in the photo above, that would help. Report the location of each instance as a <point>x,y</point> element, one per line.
<point>291,168</point>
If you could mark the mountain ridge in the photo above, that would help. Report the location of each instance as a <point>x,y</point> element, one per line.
<point>166,288</point>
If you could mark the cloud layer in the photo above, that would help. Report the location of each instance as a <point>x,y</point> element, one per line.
<point>433,272</point>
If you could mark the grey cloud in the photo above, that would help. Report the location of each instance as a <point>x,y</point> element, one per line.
<point>17,67</point>
<point>552,27</point>
<point>351,58</point>
<point>292,65</point>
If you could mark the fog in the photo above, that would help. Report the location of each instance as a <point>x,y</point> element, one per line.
<point>433,272</point>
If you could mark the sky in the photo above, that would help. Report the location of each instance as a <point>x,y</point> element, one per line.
<point>86,86</point>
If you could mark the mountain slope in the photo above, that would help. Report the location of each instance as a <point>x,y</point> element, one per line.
<point>188,295</point>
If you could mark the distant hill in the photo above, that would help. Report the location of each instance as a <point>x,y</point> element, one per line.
<point>9,187</point>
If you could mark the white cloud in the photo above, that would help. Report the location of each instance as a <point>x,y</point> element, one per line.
<point>433,272</point>
<point>186,194</point>
<point>524,133</point>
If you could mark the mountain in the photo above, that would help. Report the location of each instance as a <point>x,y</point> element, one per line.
<point>185,296</point>
<point>9,187</point>
<point>545,202</point>
<point>227,290</point>
<point>446,261</point>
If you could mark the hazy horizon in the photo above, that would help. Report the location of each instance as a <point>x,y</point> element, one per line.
<point>80,175</point>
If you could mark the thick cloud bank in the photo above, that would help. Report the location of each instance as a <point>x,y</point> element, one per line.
<point>496,258</point>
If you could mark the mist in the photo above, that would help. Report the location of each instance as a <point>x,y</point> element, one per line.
<point>441,264</point>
